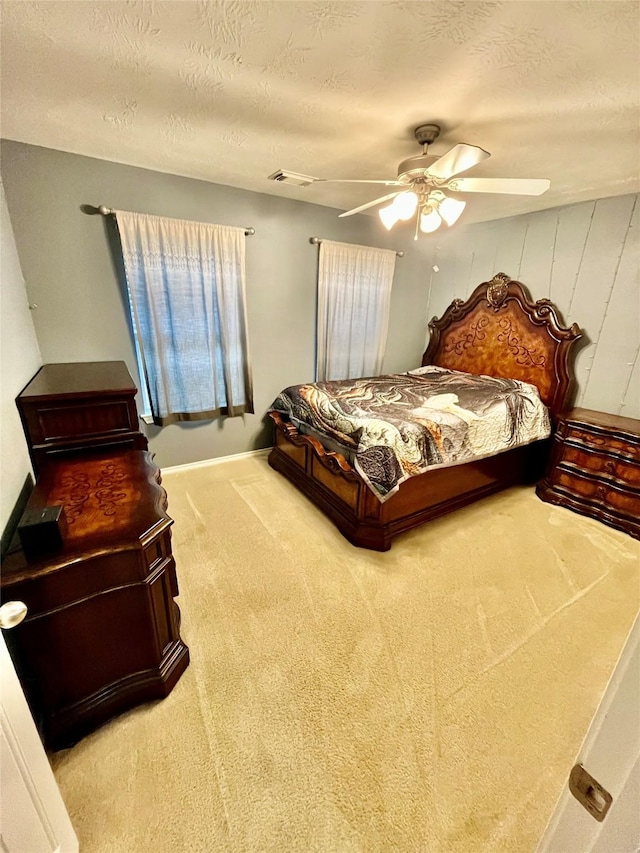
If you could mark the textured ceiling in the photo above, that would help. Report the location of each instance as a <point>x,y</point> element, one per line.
<point>231,91</point>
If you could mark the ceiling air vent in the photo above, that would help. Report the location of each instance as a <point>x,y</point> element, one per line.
<point>293,178</point>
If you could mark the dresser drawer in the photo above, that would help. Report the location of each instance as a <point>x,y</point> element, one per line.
<point>602,441</point>
<point>617,499</point>
<point>81,407</point>
<point>626,472</point>
<point>59,421</point>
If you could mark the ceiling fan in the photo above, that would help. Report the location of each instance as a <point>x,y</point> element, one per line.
<point>422,181</point>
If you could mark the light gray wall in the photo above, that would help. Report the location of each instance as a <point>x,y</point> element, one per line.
<point>19,360</point>
<point>586,259</point>
<point>81,314</point>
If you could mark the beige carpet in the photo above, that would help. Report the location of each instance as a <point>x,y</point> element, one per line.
<point>428,699</point>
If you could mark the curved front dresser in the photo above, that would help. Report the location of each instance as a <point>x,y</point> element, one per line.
<point>102,629</point>
<point>594,468</point>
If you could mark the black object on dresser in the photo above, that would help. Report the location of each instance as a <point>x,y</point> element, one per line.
<point>594,468</point>
<point>80,406</point>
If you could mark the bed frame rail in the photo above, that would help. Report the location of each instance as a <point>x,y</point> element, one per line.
<point>330,482</point>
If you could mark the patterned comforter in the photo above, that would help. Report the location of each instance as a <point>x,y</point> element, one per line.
<point>396,426</point>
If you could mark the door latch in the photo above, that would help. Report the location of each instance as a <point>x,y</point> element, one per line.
<point>589,793</point>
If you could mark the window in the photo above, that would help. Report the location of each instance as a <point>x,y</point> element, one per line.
<point>187,296</point>
<point>354,293</point>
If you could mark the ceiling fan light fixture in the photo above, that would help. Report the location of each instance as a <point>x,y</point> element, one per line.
<point>430,221</point>
<point>389,215</point>
<point>405,205</point>
<point>420,180</point>
<point>450,209</point>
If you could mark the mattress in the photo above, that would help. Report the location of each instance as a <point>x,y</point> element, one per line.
<point>396,426</point>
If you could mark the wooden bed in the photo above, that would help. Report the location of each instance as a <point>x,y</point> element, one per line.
<point>498,331</point>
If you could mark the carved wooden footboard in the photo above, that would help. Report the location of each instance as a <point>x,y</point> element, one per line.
<point>331,483</point>
<point>500,331</point>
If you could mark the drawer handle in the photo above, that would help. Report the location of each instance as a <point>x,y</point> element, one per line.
<point>610,467</point>
<point>601,493</point>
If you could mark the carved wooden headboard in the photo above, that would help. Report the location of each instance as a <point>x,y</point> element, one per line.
<point>499,331</point>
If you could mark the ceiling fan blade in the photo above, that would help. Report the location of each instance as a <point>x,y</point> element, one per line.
<point>458,159</point>
<point>513,186</point>
<point>296,179</point>
<point>368,204</point>
<point>348,181</point>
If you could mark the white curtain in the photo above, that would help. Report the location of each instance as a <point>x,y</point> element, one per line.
<point>354,293</point>
<point>186,285</point>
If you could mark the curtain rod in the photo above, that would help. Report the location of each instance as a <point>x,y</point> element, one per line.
<point>316,240</point>
<point>107,211</point>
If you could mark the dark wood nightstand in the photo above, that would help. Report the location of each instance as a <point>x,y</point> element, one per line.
<point>102,629</point>
<point>80,406</point>
<point>594,468</point>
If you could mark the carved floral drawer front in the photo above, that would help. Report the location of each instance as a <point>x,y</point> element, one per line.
<point>609,443</point>
<point>592,490</point>
<point>600,463</point>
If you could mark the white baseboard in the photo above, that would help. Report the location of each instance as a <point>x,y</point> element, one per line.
<point>205,463</point>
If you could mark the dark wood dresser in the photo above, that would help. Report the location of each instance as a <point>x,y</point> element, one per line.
<point>594,468</point>
<point>102,629</point>
<point>80,406</point>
